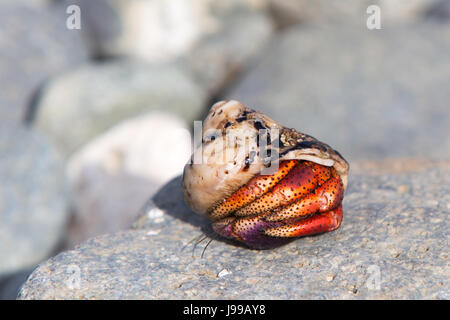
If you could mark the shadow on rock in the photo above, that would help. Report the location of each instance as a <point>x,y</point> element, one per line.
<point>169,200</point>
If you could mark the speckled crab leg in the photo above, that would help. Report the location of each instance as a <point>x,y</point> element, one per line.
<point>255,188</point>
<point>319,223</point>
<point>300,181</point>
<point>248,230</point>
<point>324,198</point>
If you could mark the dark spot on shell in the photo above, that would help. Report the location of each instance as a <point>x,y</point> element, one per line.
<point>243,116</point>
<point>309,144</point>
<point>258,125</point>
<point>305,145</point>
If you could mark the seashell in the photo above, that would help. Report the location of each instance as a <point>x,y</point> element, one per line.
<point>260,182</point>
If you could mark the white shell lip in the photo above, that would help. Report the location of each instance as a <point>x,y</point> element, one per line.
<point>225,167</point>
<point>308,157</point>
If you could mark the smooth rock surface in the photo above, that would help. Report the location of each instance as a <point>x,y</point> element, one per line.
<point>113,175</point>
<point>156,30</point>
<point>11,283</point>
<point>79,105</point>
<point>290,12</point>
<point>218,58</point>
<point>32,52</point>
<point>393,244</point>
<point>33,199</point>
<point>368,94</point>
<point>440,11</point>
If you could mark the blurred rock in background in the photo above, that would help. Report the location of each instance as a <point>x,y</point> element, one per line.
<point>213,40</point>
<point>117,172</point>
<point>156,30</point>
<point>10,283</point>
<point>369,94</point>
<point>440,11</point>
<point>290,12</point>
<point>81,104</point>
<point>27,58</point>
<point>34,198</point>
<point>218,58</point>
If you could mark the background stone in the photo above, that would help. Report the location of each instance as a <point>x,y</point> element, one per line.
<point>219,58</point>
<point>79,105</point>
<point>33,199</point>
<point>391,233</point>
<point>28,58</point>
<point>440,11</point>
<point>113,175</point>
<point>369,94</point>
<point>156,30</point>
<point>11,283</point>
<point>289,12</point>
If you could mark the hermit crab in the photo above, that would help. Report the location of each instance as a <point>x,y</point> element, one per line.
<point>260,182</point>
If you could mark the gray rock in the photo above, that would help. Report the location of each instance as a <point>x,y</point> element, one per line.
<point>217,59</point>
<point>156,30</point>
<point>142,154</point>
<point>439,11</point>
<point>392,245</point>
<point>10,284</point>
<point>79,105</point>
<point>33,199</point>
<point>290,12</point>
<point>34,45</point>
<point>369,94</point>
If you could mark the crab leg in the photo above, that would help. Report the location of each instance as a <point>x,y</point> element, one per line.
<point>319,223</point>
<point>255,188</point>
<point>248,230</point>
<point>324,198</point>
<point>224,227</point>
<point>299,182</point>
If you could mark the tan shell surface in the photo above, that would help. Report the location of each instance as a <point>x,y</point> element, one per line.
<point>230,154</point>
